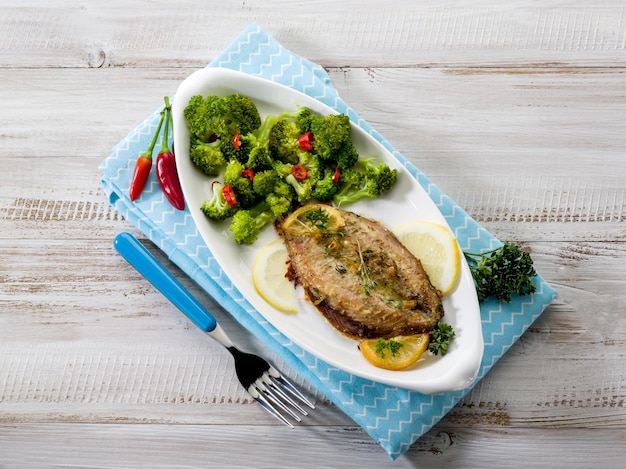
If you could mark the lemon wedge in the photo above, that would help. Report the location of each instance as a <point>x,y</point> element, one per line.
<point>394,354</point>
<point>437,250</point>
<point>268,274</point>
<point>313,219</point>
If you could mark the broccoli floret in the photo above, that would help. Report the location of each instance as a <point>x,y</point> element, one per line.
<point>304,117</point>
<point>207,156</point>
<point>282,199</point>
<point>247,224</point>
<point>199,116</point>
<point>233,176</point>
<point>376,179</point>
<point>285,133</point>
<point>283,141</point>
<point>264,182</point>
<point>259,157</point>
<point>346,156</point>
<point>380,173</point>
<point>304,188</point>
<point>325,187</point>
<point>217,208</point>
<point>311,167</point>
<point>282,169</point>
<point>213,117</point>
<point>236,113</point>
<point>350,181</point>
<point>241,154</point>
<point>331,132</point>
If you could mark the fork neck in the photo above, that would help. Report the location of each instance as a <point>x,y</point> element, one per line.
<point>219,335</point>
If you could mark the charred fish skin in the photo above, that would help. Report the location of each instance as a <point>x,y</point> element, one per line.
<point>363,280</point>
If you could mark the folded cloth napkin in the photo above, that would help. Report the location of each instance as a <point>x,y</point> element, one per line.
<point>393,417</point>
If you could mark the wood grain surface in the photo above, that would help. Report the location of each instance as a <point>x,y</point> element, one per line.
<point>514,109</point>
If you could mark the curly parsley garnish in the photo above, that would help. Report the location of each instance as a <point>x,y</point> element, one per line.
<point>393,346</point>
<point>440,338</point>
<point>501,272</point>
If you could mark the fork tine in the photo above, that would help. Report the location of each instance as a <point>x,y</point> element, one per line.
<point>285,383</point>
<point>261,399</point>
<point>274,391</point>
<point>267,388</point>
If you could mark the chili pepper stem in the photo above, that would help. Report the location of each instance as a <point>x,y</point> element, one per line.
<point>148,152</point>
<point>165,147</point>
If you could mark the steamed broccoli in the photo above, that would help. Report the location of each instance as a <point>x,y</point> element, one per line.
<point>247,224</point>
<point>346,156</point>
<point>200,117</point>
<point>217,208</point>
<point>304,117</point>
<point>284,137</point>
<point>350,181</point>
<point>233,176</point>
<point>376,179</point>
<point>303,188</point>
<point>326,187</point>
<point>273,164</point>
<point>331,132</point>
<point>264,182</point>
<point>239,152</point>
<point>207,156</point>
<point>281,199</point>
<point>222,117</point>
<point>212,123</point>
<point>283,141</point>
<point>259,157</point>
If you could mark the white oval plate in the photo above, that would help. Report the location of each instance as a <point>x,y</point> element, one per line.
<point>406,202</point>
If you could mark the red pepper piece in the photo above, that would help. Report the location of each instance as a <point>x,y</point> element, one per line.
<point>167,173</point>
<point>299,172</point>
<point>248,174</point>
<point>237,141</point>
<point>336,176</point>
<point>143,165</point>
<point>229,195</point>
<point>306,141</point>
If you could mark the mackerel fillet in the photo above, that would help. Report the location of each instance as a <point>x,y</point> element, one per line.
<point>363,280</point>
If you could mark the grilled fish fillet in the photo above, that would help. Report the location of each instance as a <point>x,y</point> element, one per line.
<point>363,280</point>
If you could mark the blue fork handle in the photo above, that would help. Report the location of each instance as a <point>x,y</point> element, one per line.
<point>147,265</point>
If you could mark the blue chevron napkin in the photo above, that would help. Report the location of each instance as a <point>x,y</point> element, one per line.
<point>393,417</point>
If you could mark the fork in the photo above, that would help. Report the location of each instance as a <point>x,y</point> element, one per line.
<point>260,379</point>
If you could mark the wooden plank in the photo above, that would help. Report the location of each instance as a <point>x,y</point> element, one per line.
<point>166,446</point>
<point>390,33</point>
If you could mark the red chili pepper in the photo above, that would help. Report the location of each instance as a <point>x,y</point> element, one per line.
<point>229,195</point>
<point>336,176</point>
<point>306,141</point>
<point>144,164</point>
<point>166,166</point>
<point>299,172</point>
<point>237,141</point>
<point>248,174</point>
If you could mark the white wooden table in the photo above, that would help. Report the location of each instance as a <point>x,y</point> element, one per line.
<point>516,112</point>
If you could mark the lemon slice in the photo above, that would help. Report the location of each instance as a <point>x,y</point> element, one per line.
<point>397,353</point>
<point>313,219</point>
<point>436,248</point>
<point>268,274</point>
